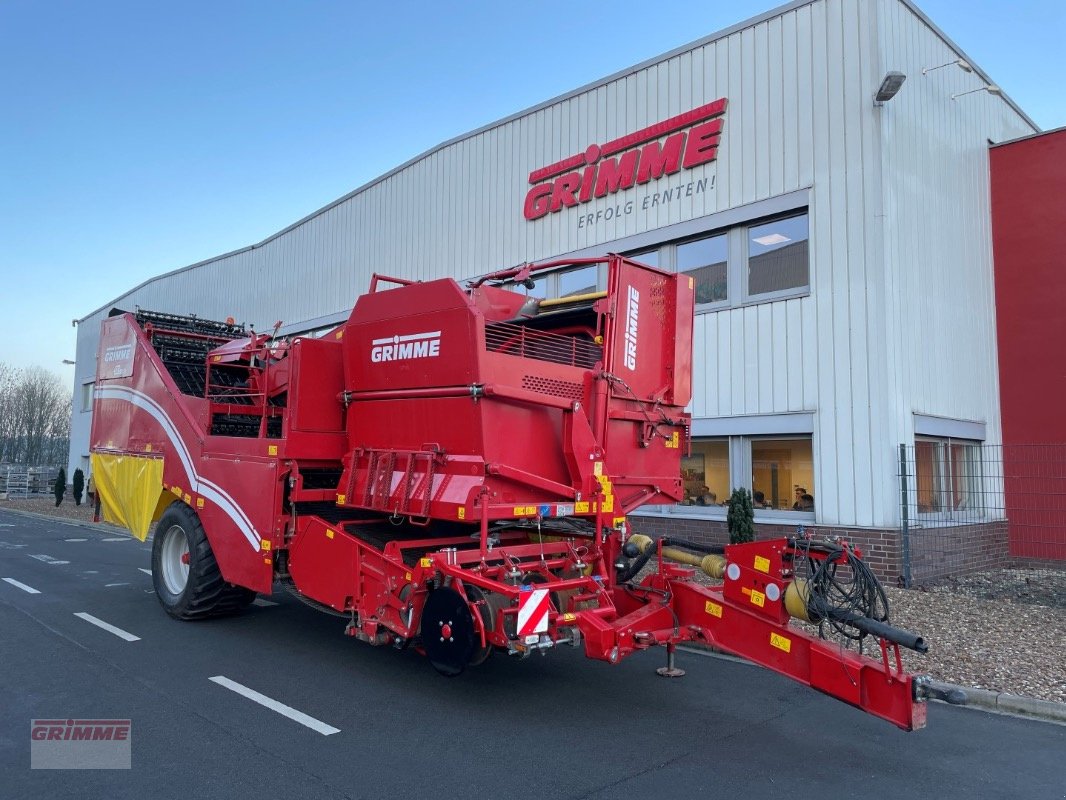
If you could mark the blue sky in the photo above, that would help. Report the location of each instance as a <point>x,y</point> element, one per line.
<point>137,137</point>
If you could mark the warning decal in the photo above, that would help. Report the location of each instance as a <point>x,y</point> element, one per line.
<point>533,607</point>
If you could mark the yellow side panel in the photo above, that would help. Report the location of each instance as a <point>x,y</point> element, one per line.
<point>130,490</point>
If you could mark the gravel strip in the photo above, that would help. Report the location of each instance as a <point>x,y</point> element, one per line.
<point>46,504</point>
<point>1000,630</point>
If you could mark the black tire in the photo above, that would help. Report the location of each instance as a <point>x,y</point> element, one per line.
<point>205,593</point>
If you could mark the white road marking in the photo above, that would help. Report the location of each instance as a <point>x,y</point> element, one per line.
<point>259,601</point>
<point>109,585</point>
<point>145,571</point>
<point>129,637</point>
<point>22,586</point>
<point>92,572</point>
<point>116,539</point>
<point>274,705</point>
<point>6,525</point>
<point>47,559</point>
<point>75,540</point>
<point>9,546</point>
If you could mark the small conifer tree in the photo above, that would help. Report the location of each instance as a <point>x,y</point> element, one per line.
<point>60,486</point>
<point>740,518</point>
<point>78,485</point>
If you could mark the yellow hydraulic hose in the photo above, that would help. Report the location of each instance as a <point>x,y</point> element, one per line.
<point>711,565</point>
<point>574,298</point>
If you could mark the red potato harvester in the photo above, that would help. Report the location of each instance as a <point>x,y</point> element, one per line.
<point>452,468</point>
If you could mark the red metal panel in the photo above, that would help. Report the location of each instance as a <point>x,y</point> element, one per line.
<point>317,370</point>
<point>642,338</point>
<point>323,563</point>
<point>421,335</point>
<point>1028,190</point>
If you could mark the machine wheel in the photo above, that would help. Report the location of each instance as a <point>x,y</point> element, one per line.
<point>187,579</point>
<point>448,633</point>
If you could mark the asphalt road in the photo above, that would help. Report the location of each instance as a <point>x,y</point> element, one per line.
<point>558,726</point>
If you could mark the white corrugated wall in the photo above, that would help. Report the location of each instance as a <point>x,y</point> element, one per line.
<point>939,308</point>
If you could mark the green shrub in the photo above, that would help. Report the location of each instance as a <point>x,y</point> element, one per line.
<point>741,517</point>
<point>78,485</point>
<point>60,485</point>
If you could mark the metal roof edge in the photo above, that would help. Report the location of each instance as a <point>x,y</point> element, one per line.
<point>1017,139</point>
<point>162,275</point>
<point>912,5</point>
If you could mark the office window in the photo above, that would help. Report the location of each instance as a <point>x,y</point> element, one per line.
<point>782,474</point>
<point>87,396</point>
<point>752,262</point>
<point>778,471</point>
<point>705,473</point>
<point>578,281</point>
<point>705,260</point>
<point>778,258</point>
<point>948,474</point>
<point>649,257</point>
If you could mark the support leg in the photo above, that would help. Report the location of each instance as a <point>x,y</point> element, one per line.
<point>670,671</point>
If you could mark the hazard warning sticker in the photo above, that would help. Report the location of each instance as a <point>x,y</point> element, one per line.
<point>533,608</point>
<point>780,642</point>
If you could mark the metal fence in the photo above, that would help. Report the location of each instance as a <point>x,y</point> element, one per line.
<point>967,506</point>
<point>20,481</point>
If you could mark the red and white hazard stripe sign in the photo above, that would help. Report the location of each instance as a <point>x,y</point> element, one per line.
<point>533,607</point>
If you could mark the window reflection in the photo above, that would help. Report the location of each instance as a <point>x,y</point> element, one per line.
<point>705,261</point>
<point>578,281</point>
<point>649,257</point>
<point>778,257</point>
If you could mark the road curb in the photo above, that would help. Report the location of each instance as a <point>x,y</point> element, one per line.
<point>1014,705</point>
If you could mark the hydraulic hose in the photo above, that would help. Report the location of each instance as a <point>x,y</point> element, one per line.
<point>798,603</point>
<point>712,565</point>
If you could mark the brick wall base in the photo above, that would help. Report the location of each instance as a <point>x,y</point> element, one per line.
<point>935,552</point>
<point>942,552</point>
<point>1019,562</point>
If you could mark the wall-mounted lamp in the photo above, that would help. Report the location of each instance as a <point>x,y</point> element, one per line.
<point>889,87</point>
<point>961,63</point>
<point>992,89</point>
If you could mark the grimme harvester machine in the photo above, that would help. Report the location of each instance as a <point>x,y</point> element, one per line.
<point>452,469</point>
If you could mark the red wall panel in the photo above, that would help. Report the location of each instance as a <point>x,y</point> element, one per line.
<point>1028,185</point>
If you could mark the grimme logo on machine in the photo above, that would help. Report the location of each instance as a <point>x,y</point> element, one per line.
<point>632,313</point>
<point>401,348</point>
<point>118,353</point>
<point>619,164</point>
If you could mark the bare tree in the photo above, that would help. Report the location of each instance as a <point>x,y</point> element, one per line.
<point>8,380</point>
<point>35,410</point>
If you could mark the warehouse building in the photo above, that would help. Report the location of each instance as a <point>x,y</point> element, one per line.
<point>836,222</point>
